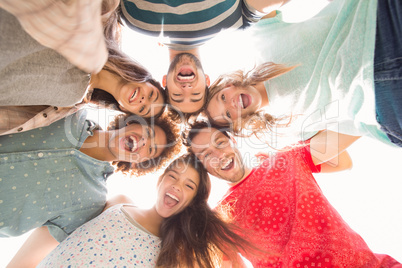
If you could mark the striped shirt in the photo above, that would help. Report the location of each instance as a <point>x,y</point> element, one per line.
<point>184,26</point>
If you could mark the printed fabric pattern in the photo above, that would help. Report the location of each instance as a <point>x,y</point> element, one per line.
<point>283,211</point>
<point>109,240</point>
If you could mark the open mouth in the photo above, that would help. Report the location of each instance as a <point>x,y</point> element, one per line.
<point>228,165</point>
<point>130,143</point>
<point>185,75</point>
<point>171,200</point>
<point>244,100</point>
<point>134,95</point>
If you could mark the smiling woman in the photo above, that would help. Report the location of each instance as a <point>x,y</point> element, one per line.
<point>153,141</point>
<point>126,85</point>
<point>55,167</point>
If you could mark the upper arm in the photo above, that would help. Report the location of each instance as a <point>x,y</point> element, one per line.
<point>340,163</point>
<point>327,145</point>
<point>266,6</point>
<point>37,246</point>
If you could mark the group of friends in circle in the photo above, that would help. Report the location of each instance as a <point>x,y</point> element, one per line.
<point>60,58</point>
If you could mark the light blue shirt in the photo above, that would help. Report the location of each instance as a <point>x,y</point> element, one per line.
<point>333,86</point>
<point>46,180</point>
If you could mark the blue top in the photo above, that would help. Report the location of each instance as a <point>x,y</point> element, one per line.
<point>46,180</point>
<point>184,25</point>
<point>333,86</point>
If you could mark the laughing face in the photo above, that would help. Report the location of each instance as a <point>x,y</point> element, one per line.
<point>218,155</point>
<point>186,83</point>
<point>176,189</point>
<point>142,99</point>
<point>136,143</point>
<point>233,103</point>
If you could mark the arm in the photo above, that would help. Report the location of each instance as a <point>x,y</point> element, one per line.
<point>328,148</point>
<point>72,28</point>
<point>38,245</point>
<point>340,163</point>
<point>266,6</point>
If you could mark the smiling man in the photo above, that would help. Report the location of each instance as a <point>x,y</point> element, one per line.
<point>183,27</point>
<point>280,206</point>
<point>186,83</point>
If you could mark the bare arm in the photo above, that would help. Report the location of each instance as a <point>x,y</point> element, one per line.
<point>266,6</point>
<point>328,148</point>
<point>340,163</point>
<point>38,245</point>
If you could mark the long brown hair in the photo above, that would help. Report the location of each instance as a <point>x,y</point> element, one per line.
<point>129,71</point>
<point>119,63</point>
<point>198,235</point>
<point>172,147</point>
<point>260,121</point>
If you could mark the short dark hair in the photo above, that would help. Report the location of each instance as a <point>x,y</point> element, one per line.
<point>194,128</point>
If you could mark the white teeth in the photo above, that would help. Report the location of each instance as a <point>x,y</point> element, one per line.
<point>172,196</point>
<point>241,101</point>
<point>185,78</point>
<point>134,140</point>
<point>227,164</point>
<point>134,95</point>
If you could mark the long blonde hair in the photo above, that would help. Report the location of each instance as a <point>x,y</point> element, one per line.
<point>260,121</point>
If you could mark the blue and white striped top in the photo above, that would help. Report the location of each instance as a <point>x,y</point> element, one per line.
<point>184,25</point>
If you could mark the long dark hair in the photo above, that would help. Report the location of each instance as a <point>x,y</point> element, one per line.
<point>172,148</point>
<point>119,63</point>
<point>260,121</point>
<point>198,235</point>
<point>128,70</point>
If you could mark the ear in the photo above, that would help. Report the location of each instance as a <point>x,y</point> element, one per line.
<point>164,81</point>
<point>207,80</point>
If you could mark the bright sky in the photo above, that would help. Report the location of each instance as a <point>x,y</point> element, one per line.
<point>368,197</point>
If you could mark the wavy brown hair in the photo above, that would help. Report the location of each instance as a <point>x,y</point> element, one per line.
<point>119,63</point>
<point>260,121</point>
<point>199,236</point>
<point>172,147</point>
<point>128,70</point>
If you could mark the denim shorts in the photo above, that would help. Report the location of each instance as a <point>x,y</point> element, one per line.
<point>388,69</point>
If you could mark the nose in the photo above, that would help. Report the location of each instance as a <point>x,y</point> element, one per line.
<point>234,112</point>
<point>144,100</point>
<point>186,86</point>
<point>222,157</point>
<point>176,187</point>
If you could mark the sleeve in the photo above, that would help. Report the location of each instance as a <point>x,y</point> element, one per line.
<point>72,28</point>
<point>250,14</point>
<point>306,155</point>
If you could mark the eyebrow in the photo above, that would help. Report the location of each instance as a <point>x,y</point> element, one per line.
<point>157,96</point>
<point>178,101</point>
<point>196,100</point>
<point>187,178</point>
<point>149,110</point>
<point>155,148</point>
